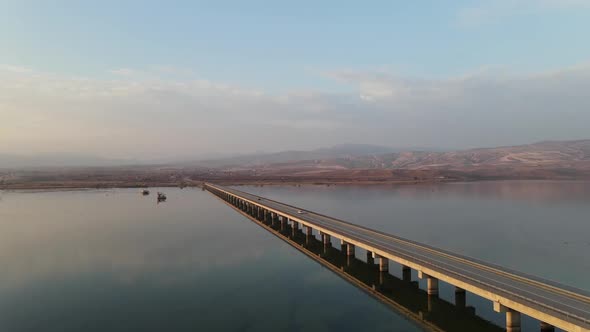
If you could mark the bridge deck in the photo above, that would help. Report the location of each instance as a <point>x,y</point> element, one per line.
<point>562,306</point>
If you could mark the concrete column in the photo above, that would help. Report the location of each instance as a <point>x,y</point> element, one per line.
<point>406,273</point>
<point>326,239</point>
<point>512,317</point>
<point>284,221</point>
<point>370,260</point>
<point>383,263</point>
<point>309,231</point>
<point>432,286</point>
<point>295,225</point>
<point>460,297</point>
<point>431,283</point>
<point>512,321</point>
<point>547,327</point>
<point>350,249</point>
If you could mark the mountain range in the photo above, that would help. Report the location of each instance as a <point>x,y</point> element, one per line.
<point>555,154</point>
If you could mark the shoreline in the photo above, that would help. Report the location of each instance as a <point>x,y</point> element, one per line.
<point>198,184</point>
<point>65,186</point>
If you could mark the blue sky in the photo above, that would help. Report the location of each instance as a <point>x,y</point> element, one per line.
<point>334,55</point>
<point>279,44</point>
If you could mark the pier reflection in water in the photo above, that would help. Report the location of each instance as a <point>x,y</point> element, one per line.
<point>402,294</point>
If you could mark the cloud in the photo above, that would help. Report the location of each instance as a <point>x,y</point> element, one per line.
<point>484,108</point>
<point>143,115</point>
<point>155,116</point>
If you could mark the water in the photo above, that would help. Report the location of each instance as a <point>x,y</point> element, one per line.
<point>114,260</point>
<point>117,261</point>
<point>538,227</point>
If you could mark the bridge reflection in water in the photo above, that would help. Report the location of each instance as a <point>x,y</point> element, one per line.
<point>403,295</point>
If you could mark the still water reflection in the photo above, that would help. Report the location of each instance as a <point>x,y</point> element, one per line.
<point>542,228</point>
<point>537,227</point>
<point>117,261</point>
<point>401,293</point>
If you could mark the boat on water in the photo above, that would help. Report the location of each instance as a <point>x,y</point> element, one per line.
<point>161,197</point>
<point>145,192</point>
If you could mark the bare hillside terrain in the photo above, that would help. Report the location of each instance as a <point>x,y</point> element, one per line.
<point>545,160</point>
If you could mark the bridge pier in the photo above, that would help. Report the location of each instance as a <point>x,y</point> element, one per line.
<point>370,259</point>
<point>350,249</point>
<point>431,283</point>
<point>383,263</point>
<point>512,317</point>
<point>460,297</point>
<point>284,221</point>
<point>308,234</point>
<point>294,228</point>
<point>512,321</point>
<point>406,273</point>
<point>326,239</point>
<point>267,218</point>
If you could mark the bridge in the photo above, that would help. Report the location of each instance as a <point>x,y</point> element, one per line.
<point>511,292</point>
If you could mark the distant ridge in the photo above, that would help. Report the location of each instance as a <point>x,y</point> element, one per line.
<point>554,154</point>
<point>337,151</point>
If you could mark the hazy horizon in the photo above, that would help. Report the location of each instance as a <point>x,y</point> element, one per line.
<point>137,81</point>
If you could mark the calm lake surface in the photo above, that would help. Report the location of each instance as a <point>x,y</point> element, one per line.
<point>113,260</point>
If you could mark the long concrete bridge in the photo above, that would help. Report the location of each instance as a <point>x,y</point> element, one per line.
<point>511,292</point>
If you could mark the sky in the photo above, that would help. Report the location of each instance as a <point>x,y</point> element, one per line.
<point>185,79</point>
